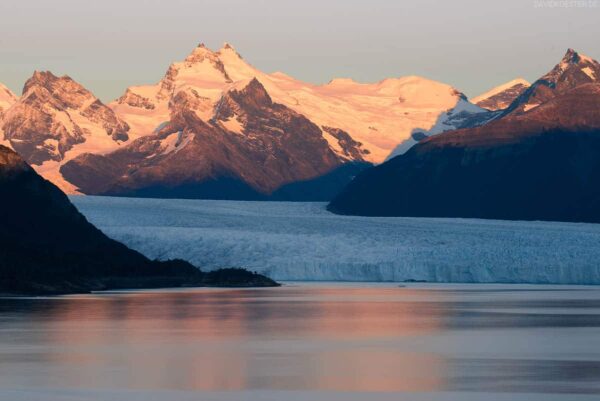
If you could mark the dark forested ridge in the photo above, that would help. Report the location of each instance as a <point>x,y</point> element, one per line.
<point>47,246</point>
<point>543,164</point>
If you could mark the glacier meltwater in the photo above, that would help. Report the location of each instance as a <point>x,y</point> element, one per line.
<point>302,241</point>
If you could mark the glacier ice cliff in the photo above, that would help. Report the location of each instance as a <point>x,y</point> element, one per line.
<point>302,241</point>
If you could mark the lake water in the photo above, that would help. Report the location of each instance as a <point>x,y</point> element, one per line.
<point>305,341</point>
<point>302,241</point>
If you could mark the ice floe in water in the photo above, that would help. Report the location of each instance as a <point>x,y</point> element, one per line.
<point>302,241</point>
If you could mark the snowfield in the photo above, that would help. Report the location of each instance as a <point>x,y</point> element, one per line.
<point>302,241</point>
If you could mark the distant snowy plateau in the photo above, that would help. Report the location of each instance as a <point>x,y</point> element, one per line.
<point>302,241</point>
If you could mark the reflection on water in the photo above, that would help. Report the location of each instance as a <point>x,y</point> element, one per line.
<point>378,338</point>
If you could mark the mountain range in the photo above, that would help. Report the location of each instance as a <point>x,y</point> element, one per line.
<point>538,159</point>
<point>216,127</point>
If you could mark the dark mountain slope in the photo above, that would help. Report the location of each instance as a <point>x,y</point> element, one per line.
<point>573,70</point>
<point>538,165</point>
<point>249,149</point>
<point>47,246</point>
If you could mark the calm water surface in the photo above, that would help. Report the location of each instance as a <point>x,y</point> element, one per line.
<point>305,341</point>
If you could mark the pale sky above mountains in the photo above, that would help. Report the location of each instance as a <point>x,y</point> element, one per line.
<point>471,44</point>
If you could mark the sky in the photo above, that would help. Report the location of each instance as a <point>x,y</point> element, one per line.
<point>108,45</point>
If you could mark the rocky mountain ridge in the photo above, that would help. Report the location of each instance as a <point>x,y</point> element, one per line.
<point>536,163</point>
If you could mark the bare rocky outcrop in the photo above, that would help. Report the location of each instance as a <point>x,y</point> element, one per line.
<point>502,97</point>
<point>573,70</point>
<point>53,115</point>
<point>249,148</point>
<point>350,148</point>
<point>133,99</point>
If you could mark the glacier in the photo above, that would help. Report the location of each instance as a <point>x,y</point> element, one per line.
<point>304,242</point>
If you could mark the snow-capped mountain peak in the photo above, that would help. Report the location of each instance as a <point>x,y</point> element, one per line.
<point>356,108</point>
<point>200,53</point>
<point>574,57</point>
<point>501,96</point>
<point>571,62</point>
<point>573,70</point>
<point>227,47</point>
<point>571,56</point>
<point>56,119</point>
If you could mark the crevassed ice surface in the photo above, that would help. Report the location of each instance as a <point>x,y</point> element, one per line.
<point>302,241</point>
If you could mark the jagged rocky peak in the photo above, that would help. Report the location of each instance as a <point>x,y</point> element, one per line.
<point>200,53</point>
<point>249,147</point>
<point>62,92</point>
<point>571,56</point>
<point>203,54</point>
<point>574,57</point>
<point>228,48</point>
<point>245,95</point>
<point>46,90</point>
<point>56,113</point>
<point>202,64</point>
<point>573,70</point>
<point>244,101</point>
<point>136,100</point>
<point>254,93</point>
<point>407,102</point>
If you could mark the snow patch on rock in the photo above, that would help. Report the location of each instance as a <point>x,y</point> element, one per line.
<point>499,89</point>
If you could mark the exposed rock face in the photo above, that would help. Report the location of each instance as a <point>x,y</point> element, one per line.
<point>352,107</point>
<point>540,165</point>
<point>134,100</point>
<point>537,159</point>
<point>47,246</point>
<point>56,113</point>
<point>573,70</point>
<point>501,97</point>
<point>348,147</point>
<point>248,149</point>
<point>57,120</point>
<point>214,96</point>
